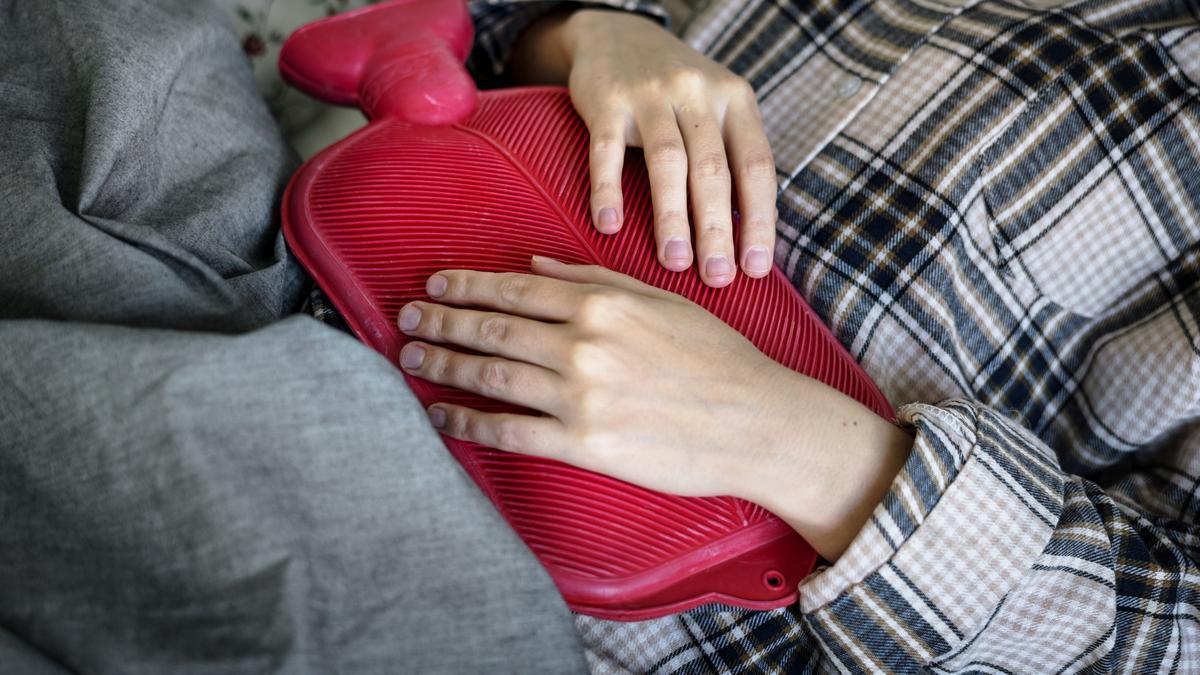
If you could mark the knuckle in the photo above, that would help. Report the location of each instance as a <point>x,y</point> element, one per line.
<point>493,331</point>
<point>712,166</point>
<point>512,289</point>
<point>438,364</point>
<point>688,79</point>
<point>437,323</point>
<point>612,96</point>
<point>672,218</point>
<point>453,424</point>
<point>759,166</point>
<point>710,231</point>
<point>604,144</point>
<point>582,355</point>
<point>508,434</point>
<point>465,426</point>
<point>740,87</point>
<point>592,440</point>
<point>690,110</point>
<point>668,152</point>
<point>591,406</point>
<point>605,186</point>
<point>599,306</point>
<point>761,230</point>
<point>494,376</point>
<point>457,283</point>
<point>764,223</point>
<point>443,366</point>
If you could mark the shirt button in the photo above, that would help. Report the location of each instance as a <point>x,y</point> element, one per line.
<point>849,86</point>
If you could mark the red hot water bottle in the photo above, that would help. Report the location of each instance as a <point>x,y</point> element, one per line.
<point>447,177</point>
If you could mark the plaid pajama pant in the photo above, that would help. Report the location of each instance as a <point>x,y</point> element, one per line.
<point>996,207</point>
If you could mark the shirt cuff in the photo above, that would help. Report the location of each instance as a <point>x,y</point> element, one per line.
<point>499,23</point>
<point>962,524</point>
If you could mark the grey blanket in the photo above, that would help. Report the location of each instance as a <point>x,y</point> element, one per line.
<point>190,481</point>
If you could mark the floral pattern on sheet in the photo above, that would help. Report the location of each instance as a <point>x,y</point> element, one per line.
<point>261,27</point>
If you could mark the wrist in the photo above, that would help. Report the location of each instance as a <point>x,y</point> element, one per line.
<point>541,54</point>
<point>832,463</point>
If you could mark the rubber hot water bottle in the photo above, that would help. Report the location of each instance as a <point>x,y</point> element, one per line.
<point>447,177</point>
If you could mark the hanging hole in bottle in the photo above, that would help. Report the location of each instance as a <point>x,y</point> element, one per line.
<point>773,580</point>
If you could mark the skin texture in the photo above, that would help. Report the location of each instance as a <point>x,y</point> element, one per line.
<point>648,387</point>
<point>635,84</point>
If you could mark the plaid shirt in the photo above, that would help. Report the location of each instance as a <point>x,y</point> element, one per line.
<point>996,207</point>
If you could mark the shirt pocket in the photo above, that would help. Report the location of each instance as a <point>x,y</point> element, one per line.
<point>1094,186</point>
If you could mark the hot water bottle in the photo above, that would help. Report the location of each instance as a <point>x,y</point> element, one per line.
<point>448,177</point>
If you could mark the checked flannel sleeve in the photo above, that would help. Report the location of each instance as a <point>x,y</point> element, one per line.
<point>985,556</point>
<point>499,23</point>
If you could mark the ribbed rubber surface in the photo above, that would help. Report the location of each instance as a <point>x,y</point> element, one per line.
<point>375,215</point>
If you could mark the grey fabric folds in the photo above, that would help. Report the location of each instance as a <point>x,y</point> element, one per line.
<point>189,481</point>
<point>139,170</point>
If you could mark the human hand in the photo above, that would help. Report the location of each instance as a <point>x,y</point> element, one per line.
<point>644,385</point>
<point>635,84</point>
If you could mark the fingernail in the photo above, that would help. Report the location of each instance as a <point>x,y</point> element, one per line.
<point>609,220</point>
<point>412,356</point>
<point>545,261</point>
<point>677,251</point>
<point>437,417</point>
<point>436,286</point>
<point>410,317</point>
<point>717,268</point>
<point>758,260</point>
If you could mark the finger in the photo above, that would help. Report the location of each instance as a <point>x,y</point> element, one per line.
<point>709,183</point>
<point>513,382</point>
<point>541,436</point>
<point>754,174</point>
<point>512,337</point>
<point>606,159</point>
<point>526,295</point>
<point>592,274</point>
<point>666,164</point>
